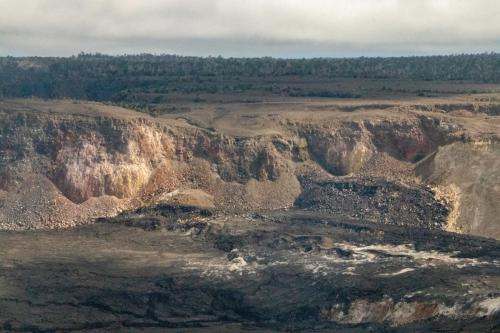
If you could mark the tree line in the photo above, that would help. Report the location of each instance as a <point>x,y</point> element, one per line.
<point>103,77</point>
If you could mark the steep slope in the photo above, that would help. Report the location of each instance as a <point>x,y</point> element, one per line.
<point>38,204</point>
<point>247,157</point>
<point>468,177</point>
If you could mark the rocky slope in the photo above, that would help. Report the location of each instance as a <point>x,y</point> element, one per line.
<point>64,163</point>
<point>467,176</point>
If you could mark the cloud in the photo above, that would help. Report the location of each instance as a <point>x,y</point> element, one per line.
<point>249,27</point>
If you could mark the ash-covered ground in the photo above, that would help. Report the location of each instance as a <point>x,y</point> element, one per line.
<point>178,269</point>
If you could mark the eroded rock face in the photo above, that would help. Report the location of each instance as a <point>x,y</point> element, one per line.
<point>386,311</point>
<point>91,152</point>
<point>38,204</point>
<point>341,150</point>
<point>138,160</point>
<point>467,175</point>
<point>412,140</point>
<point>383,311</point>
<point>344,148</point>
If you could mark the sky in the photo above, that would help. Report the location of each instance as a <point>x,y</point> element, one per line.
<point>247,28</point>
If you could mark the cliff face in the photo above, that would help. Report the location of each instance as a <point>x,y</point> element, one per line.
<point>467,176</point>
<point>101,160</point>
<point>136,161</point>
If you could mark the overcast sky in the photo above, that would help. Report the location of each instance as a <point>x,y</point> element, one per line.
<point>283,28</point>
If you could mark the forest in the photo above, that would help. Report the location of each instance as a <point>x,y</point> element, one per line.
<point>123,78</point>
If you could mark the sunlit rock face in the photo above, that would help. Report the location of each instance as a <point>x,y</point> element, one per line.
<point>468,177</point>
<point>341,150</point>
<point>245,162</point>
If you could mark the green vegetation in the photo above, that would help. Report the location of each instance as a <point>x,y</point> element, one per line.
<point>145,80</point>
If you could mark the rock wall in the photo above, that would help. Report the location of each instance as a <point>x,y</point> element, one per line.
<point>467,176</point>
<point>138,160</point>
